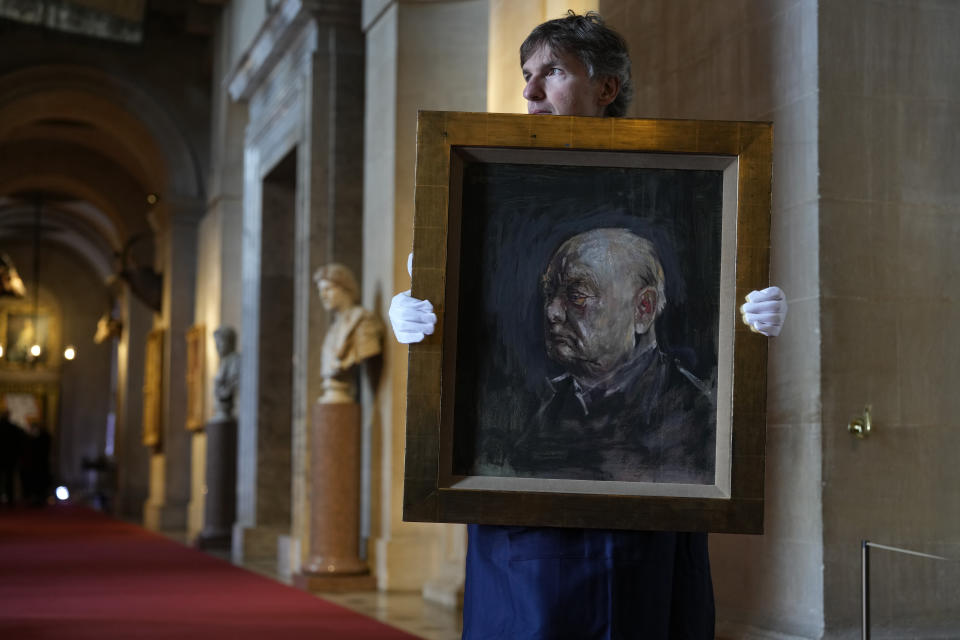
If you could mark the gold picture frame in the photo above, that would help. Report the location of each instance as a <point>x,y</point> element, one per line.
<point>153,390</point>
<point>196,376</point>
<point>480,181</point>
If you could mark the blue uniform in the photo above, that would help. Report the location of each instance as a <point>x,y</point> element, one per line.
<point>545,583</point>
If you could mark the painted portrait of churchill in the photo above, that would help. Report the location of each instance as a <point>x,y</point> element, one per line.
<point>622,409</point>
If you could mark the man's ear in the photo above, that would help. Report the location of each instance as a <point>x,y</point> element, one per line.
<point>609,90</point>
<point>645,310</point>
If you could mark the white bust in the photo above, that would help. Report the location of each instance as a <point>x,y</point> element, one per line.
<point>353,336</point>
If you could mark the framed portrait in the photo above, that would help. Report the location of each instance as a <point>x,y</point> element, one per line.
<point>22,327</point>
<point>153,390</point>
<point>589,368</point>
<point>196,378</point>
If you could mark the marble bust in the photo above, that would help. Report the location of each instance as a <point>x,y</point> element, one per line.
<point>227,380</point>
<point>354,334</point>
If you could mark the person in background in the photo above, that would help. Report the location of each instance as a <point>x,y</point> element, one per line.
<point>10,438</point>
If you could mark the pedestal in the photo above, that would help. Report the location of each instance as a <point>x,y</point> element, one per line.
<point>334,563</point>
<point>220,500</point>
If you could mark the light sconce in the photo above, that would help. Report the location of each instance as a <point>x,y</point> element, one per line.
<point>70,352</point>
<point>35,351</point>
<point>1,351</point>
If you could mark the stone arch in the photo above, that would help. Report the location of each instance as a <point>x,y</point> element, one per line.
<point>128,122</point>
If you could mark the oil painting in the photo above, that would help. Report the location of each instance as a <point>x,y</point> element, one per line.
<point>588,367</point>
<point>588,323</point>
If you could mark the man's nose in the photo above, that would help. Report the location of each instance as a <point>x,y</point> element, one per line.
<point>555,310</point>
<point>533,91</point>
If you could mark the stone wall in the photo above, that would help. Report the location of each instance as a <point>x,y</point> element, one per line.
<point>754,60</point>
<point>889,152</point>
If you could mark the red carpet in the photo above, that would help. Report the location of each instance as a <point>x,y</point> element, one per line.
<point>71,573</point>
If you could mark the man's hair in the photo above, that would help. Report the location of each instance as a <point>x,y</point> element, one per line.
<point>601,50</point>
<point>341,276</point>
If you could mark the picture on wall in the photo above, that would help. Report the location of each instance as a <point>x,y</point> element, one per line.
<point>196,376</point>
<point>24,330</point>
<point>153,390</point>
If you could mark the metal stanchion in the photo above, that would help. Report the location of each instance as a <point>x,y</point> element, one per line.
<point>865,590</point>
<point>865,579</point>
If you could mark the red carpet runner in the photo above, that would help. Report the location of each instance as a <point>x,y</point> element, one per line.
<point>71,574</point>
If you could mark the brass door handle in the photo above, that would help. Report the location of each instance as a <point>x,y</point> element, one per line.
<point>861,427</point>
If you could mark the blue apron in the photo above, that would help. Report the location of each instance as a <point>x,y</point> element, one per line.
<point>545,583</point>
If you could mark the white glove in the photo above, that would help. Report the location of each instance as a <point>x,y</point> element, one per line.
<point>411,318</point>
<point>765,311</point>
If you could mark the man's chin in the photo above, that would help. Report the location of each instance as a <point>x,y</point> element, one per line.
<point>561,353</point>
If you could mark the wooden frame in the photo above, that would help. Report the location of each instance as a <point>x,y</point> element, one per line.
<point>196,376</point>
<point>153,390</point>
<point>444,484</point>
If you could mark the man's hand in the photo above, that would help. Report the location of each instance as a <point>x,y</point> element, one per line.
<point>412,319</point>
<point>765,311</point>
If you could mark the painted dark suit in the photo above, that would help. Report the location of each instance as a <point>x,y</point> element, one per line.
<point>655,425</point>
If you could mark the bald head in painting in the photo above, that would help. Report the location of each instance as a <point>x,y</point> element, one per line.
<point>602,292</point>
<point>622,409</point>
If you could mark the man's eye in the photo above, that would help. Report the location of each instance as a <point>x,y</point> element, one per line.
<point>555,71</point>
<point>577,298</point>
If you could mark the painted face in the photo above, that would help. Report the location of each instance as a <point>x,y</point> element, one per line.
<point>589,313</point>
<point>558,84</point>
<point>333,296</point>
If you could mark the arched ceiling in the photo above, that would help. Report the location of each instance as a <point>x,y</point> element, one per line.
<point>73,224</point>
<point>95,150</point>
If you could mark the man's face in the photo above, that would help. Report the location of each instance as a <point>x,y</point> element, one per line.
<point>589,311</point>
<point>333,296</point>
<point>558,84</point>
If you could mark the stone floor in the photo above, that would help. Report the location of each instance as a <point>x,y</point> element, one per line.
<point>406,611</point>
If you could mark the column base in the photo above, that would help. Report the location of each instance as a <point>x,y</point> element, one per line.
<point>254,543</point>
<point>446,589</point>
<point>164,516</point>
<point>334,583</point>
<point>217,540</point>
<point>405,563</point>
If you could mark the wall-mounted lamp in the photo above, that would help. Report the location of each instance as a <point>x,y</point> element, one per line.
<point>35,351</point>
<point>1,351</point>
<point>70,352</point>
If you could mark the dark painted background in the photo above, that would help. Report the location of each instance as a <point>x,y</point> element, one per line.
<point>513,219</point>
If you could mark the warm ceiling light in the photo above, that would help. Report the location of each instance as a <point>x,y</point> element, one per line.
<point>35,351</point>
<point>70,353</point>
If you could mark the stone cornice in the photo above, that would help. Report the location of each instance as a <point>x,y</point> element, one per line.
<point>277,34</point>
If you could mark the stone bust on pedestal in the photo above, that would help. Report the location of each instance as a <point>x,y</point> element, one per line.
<point>353,336</point>
<point>228,375</point>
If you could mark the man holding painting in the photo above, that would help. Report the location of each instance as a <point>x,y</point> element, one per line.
<point>527,582</point>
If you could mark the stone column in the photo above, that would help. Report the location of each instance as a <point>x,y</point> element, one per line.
<point>302,80</point>
<point>220,234</point>
<point>132,459</point>
<point>419,56</point>
<point>175,222</point>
